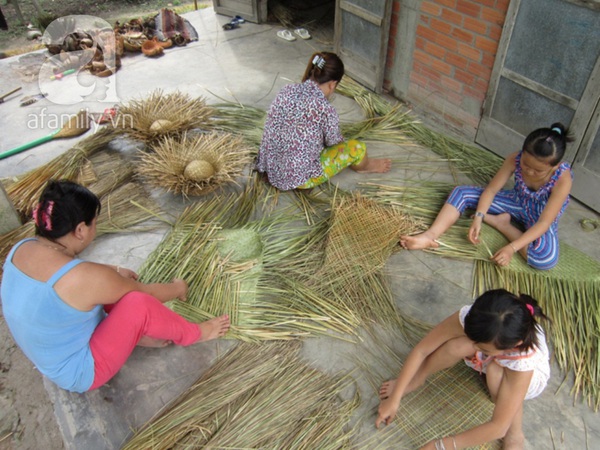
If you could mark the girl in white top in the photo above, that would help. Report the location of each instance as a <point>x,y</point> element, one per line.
<point>498,335</point>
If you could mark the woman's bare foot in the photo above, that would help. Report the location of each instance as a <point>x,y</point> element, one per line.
<point>214,328</point>
<point>419,241</point>
<point>147,341</point>
<point>375,165</point>
<point>386,389</point>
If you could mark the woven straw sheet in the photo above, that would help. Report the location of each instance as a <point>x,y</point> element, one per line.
<point>363,234</point>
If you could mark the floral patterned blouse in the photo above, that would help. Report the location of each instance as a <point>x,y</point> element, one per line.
<point>300,123</point>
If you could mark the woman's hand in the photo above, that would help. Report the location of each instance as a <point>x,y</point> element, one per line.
<point>474,230</point>
<point>181,289</point>
<point>386,412</point>
<point>503,256</point>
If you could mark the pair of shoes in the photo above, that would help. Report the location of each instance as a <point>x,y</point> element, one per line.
<point>234,23</point>
<point>288,36</point>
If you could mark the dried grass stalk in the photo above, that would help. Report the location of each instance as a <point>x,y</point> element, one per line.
<point>165,166</point>
<point>162,114</point>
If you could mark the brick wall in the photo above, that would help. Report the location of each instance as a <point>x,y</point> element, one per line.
<point>454,52</point>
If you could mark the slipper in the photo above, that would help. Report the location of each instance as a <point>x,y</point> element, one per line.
<point>303,33</point>
<point>230,25</point>
<point>286,34</point>
<point>238,19</point>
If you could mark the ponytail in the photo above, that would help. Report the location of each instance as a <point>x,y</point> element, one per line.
<point>324,67</point>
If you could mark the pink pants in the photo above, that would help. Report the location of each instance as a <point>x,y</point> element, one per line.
<point>135,315</point>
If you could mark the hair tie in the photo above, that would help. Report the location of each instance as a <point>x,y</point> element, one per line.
<point>318,61</point>
<point>558,130</point>
<point>43,217</point>
<point>530,308</point>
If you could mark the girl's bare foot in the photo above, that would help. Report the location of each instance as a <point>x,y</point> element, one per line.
<point>376,166</point>
<point>147,341</point>
<point>214,328</point>
<point>418,241</point>
<point>498,221</point>
<point>386,389</point>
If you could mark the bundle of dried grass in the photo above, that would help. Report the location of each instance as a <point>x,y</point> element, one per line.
<point>161,115</point>
<point>26,190</point>
<point>256,396</point>
<point>195,164</point>
<point>243,120</point>
<point>452,401</point>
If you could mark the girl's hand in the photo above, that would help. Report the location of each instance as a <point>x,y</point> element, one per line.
<point>386,412</point>
<point>429,446</point>
<point>181,289</point>
<point>503,256</point>
<point>127,273</point>
<point>474,230</point>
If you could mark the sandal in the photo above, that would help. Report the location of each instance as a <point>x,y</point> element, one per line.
<point>286,34</point>
<point>303,33</point>
<point>231,25</point>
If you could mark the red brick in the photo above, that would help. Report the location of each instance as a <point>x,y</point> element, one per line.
<point>431,8</point>
<point>447,3</point>
<point>451,84</point>
<point>485,44</point>
<point>418,79</point>
<point>495,32</point>
<point>490,3</point>
<point>473,93</point>
<point>428,72</point>
<point>502,5</point>
<point>396,6</point>
<point>469,52</point>
<point>462,35</point>
<point>456,60</point>
<point>442,27</point>
<point>426,33</point>
<point>447,42</point>
<point>435,50</point>
<point>488,59</point>
<point>464,77</point>
<point>493,16</point>
<point>468,8</point>
<point>425,19</point>
<point>420,43</point>
<point>454,97</point>
<point>422,57</point>
<point>475,25</point>
<point>441,66</point>
<point>480,70</point>
<point>452,16</point>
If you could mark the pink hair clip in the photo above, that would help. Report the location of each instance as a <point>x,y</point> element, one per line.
<point>530,308</point>
<point>43,217</point>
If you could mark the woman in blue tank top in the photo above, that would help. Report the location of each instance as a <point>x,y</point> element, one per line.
<point>79,321</point>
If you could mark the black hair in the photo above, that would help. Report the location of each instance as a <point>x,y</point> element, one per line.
<point>548,143</point>
<point>63,205</point>
<point>323,67</point>
<point>502,319</point>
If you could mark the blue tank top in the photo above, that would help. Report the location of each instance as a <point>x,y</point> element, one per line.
<point>52,334</point>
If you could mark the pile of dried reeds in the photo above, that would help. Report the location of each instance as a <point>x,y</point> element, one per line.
<point>161,114</point>
<point>167,166</point>
<point>25,190</point>
<point>243,120</point>
<point>256,396</point>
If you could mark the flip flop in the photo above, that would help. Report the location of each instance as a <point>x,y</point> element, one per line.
<point>286,34</point>
<point>230,25</point>
<point>238,19</point>
<point>303,33</point>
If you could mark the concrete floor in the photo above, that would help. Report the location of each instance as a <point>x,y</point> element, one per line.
<point>250,64</point>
